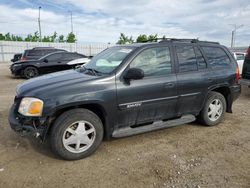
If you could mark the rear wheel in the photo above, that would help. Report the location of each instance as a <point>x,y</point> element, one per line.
<point>30,72</point>
<point>214,109</point>
<point>76,134</point>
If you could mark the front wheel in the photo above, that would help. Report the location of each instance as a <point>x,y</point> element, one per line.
<point>76,134</point>
<point>30,72</point>
<point>214,109</point>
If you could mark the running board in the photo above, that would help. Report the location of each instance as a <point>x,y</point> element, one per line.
<point>128,131</point>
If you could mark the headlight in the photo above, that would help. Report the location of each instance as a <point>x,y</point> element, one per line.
<point>31,107</point>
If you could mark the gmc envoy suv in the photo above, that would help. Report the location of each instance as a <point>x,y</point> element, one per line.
<point>127,90</point>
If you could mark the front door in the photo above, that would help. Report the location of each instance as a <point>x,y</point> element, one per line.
<point>152,98</point>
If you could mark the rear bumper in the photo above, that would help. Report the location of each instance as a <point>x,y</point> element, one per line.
<point>245,82</point>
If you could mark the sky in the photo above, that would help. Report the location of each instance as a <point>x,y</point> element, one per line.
<point>104,20</point>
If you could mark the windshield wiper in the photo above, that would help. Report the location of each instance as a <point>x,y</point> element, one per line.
<point>93,71</point>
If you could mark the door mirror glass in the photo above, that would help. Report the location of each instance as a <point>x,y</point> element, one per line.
<point>134,74</point>
<point>45,60</point>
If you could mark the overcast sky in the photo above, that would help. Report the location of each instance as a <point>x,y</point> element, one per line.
<point>104,20</point>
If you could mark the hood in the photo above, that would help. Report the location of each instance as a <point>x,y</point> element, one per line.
<point>46,83</point>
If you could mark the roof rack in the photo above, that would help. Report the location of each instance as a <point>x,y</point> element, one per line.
<point>186,40</point>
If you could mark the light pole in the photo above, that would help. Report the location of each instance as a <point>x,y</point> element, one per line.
<point>233,38</point>
<point>71,21</point>
<point>39,24</point>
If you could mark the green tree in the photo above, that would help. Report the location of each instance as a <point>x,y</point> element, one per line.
<point>28,38</point>
<point>71,38</point>
<point>123,39</point>
<point>53,37</point>
<point>142,38</point>
<point>61,38</point>
<point>152,38</point>
<point>2,37</point>
<point>46,39</point>
<point>7,37</point>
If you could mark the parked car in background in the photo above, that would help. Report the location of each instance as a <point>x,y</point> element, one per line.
<point>239,56</point>
<point>56,61</point>
<point>16,57</point>
<point>246,69</point>
<point>38,52</point>
<point>127,90</point>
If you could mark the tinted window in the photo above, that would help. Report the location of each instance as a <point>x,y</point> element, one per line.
<point>217,57</point>
<point>186,58</point>
<point>35,53</point>
<point>153,61</point>
<point>200,59</point>
<point>54,57</point>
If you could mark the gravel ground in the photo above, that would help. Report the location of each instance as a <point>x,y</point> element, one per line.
<point>184,156</point>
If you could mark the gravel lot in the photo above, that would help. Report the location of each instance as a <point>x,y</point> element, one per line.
<point>185,156</point>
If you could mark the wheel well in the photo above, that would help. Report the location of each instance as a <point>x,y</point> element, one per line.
<point>225,91</point>
<point>97,109</point>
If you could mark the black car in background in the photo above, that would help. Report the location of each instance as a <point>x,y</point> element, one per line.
<point>16,57</point>
<point>38,52</point>
<point>52,62</point>
<point>246,69</point>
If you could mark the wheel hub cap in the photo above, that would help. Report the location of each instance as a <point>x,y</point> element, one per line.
<point>79,136</point>
<point>215,110</point>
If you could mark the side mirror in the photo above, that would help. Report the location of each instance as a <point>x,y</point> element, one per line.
<point>134,74</point>
<point>45,60</point>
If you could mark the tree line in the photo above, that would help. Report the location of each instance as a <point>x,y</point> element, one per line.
<point>70,38</point>
<point>123,39</point>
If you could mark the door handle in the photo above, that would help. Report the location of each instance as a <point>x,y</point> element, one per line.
<point>169,85</point>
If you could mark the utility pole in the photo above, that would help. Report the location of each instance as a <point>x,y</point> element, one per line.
<point>233,38</point>
<point>39,24</point>
<point>71,21</point>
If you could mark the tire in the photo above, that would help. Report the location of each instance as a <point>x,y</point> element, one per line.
<point>214,109</point>
<point>30,72</point>
<point>72,137</point>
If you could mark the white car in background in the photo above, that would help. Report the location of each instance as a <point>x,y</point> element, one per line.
<point>80,61</point>
<point>239,56</point>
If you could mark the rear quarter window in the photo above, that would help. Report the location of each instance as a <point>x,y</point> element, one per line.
<point>35,53</point>
<point>217,57</point>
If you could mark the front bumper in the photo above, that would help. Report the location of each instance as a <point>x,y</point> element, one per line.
<point>16,70</point>
<point>27,126</point>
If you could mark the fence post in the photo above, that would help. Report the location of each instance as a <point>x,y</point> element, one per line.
<point>2,52</point>
<point>90,50</point>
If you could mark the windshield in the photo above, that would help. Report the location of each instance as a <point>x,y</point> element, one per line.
<point>106,61</point>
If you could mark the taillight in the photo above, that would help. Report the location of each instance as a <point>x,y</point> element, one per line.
<point>237,75</point>
<point>23,58</point>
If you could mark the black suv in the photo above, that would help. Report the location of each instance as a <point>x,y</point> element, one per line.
<point>52,62</point>
<point>38,52</point>
<point>127,90</point>
<point>246,69</point>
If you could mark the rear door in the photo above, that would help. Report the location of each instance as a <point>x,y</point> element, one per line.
<point>152,98</point>
<point>192,82</point>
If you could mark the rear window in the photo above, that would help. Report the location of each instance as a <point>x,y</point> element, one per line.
<point>217,57</point>
<point>186,58</point>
